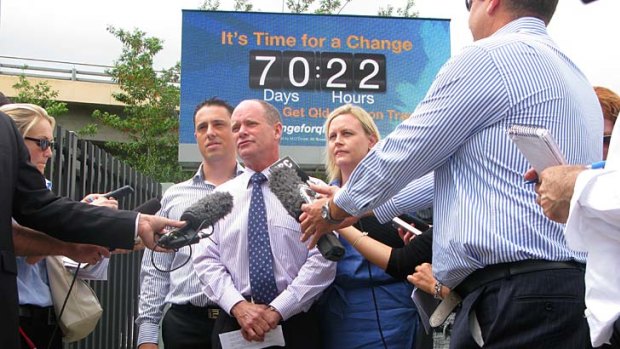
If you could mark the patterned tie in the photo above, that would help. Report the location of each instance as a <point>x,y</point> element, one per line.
<point>262,280</point>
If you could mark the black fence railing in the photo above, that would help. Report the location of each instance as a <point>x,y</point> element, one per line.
<point>79,168</point>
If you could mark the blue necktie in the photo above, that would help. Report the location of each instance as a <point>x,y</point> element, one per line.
<point>262,279</point>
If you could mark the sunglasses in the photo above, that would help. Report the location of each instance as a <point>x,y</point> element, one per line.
<point>468,4</point>
<point>606,139</point>
<point>42,142</point>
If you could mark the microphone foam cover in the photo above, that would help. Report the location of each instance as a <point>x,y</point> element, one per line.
<point>284,183</point>
<point>208,210</point>
<point>149,207</point>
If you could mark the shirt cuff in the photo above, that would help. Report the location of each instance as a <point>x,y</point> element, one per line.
<point>229,299</point>
<point>148,333</point>
<point>135,235</point>
<point>386,212</point>
<point>286,304</point>
<point>343,200</point>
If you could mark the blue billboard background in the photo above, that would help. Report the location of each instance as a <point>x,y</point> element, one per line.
<point>219,48</point>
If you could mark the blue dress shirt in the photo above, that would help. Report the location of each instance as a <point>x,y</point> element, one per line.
<point>32,283</point>
<point>484,213</point>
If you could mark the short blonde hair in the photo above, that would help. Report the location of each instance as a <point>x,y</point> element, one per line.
<point>368,125</point>
<point>26,116</point>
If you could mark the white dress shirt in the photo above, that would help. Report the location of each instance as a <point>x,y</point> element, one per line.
<point>594,226</point>
<point>222,262</point>
<point>180,286</point>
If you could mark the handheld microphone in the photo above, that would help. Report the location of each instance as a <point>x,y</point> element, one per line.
<point>202,214</point>
<point>287,186</point>
<point>119,193</point>
<point>149,207</point>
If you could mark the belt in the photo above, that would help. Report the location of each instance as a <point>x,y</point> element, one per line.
<point>211,311</point>
<point>36,312</point>
<point>496,272</point>
<point>492,273</point>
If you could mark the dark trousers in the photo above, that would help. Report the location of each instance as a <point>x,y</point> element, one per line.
<point>39,324</point>
<point>300,331</point>
<point>188,327</point>
<point>542,309</point>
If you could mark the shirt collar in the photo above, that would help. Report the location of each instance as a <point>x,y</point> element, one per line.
<point>524,25</point>
<point>199,175</point>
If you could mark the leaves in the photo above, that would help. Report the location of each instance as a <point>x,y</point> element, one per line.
<point>211,5</point>
<point>150,118</point>
<point>243,5</point>
<point>407,11</point>
<point>40,94</point>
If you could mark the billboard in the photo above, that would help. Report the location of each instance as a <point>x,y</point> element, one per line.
<point>306,66</point>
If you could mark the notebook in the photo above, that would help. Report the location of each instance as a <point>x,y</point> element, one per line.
<point>537,145</point>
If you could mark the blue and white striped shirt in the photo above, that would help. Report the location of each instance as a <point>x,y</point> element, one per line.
<point>484,213</point>
<point>416,196</point>
<point>222,262</point>
<point>180,286</point>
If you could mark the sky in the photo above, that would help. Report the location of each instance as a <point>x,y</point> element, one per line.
<point>75,30</point>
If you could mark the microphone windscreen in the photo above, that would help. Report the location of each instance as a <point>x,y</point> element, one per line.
<point>149,207</point>
<point>284,184</point>
<point>208,210</point>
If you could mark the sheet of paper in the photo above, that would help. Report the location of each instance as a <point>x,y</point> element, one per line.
<point>97,271</point>
<point>234,340</point>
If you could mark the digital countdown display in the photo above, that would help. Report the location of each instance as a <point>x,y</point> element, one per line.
<point>306,66</point>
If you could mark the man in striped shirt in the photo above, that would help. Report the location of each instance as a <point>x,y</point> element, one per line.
<point>295,276</point>
<point>520,283</point>
<point>189,321</point>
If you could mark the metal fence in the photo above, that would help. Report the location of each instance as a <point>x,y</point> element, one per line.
<point>51,69</point>
<point>79,168</point>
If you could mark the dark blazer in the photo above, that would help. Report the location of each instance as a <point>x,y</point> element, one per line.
<point>24,196</point>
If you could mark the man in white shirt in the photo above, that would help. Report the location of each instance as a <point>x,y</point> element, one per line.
<point>169,278</point>
<point>588,200</point>
<point>279,283</point>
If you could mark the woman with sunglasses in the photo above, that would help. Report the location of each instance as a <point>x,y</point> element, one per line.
<point>36,313</point>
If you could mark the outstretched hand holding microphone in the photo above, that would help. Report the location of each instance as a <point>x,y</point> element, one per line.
<point>292,192</point>
<point>199,216</point>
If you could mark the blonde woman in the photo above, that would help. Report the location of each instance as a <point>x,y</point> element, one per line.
<point>36,313</point>
<point>365,307</point>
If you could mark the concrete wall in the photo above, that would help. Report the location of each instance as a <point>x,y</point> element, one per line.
<point>82,99</point>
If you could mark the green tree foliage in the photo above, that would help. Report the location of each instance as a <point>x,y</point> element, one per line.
<point>298,6</point>
<point>211,5</point>
<point>407,11</point>
<point>330,6</point>
<point>40,94</point>
<point>243,5</point>
<point>150,116</point>
<point>239,5</point>
<point>325,6</point>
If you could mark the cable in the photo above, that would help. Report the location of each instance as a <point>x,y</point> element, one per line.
<point>64,304</point>
<point>374,296</point>
<point>173,269</point>
<point>187,238</point>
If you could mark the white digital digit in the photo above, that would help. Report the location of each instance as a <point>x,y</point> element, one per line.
<point>373,73</point>
<point>270,60</point>
<point>291,68</point>
<point>343,69</point>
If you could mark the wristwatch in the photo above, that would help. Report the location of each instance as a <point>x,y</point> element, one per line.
<point>327,216</point>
